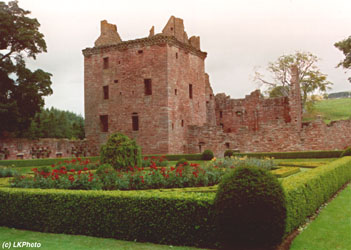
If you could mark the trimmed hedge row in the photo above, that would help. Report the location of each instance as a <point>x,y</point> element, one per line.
<point>41,162</point>
<point>189,157</point>
<point>285,171</point>
<point>306,192</point>
<point>294,155</point>
<point>178,218</point>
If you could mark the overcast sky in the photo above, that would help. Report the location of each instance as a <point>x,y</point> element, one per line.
<point>238,36</point>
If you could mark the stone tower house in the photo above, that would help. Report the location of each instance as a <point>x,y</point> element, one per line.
<point>150,89</point>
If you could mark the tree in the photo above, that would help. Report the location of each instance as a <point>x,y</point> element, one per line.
<point>21,90</point>
<point>345,47</point>
<point>311,79</point>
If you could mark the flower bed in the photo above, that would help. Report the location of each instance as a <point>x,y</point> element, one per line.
<point>75,175</point>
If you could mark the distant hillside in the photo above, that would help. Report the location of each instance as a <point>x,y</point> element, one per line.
<point>331,110</point>
<point>344,94</point>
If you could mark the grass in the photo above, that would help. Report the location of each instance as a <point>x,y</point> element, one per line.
<point>76,242</point>
<point>331,110</point>
<point>331,229</point>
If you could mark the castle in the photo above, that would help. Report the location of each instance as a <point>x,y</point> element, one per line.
<point>156,90</point>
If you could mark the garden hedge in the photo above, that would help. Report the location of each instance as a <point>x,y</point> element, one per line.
<point>177,218</point>
<point>41,162</point>
<point>307,191</point>
<point>294,155</point>
<point>189,157</point>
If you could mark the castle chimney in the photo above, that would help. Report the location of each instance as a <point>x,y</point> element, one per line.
<point>295,98</point>
<point>109,35</point>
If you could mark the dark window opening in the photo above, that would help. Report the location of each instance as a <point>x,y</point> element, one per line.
<point>172,126</point>
<point>135,121</point>
<point>106,64</point>
<point>147,87</point>
<point>119,62</point>
<point>227,145</point>
<point>176,55</point>
<point>220,114</point>
<point>190,91</point>
<point>171,28</point>
<point>132,92</point>
<point>211,96</point>
<point>115,81</point>
<point>104,123</point>
<point>140,51</point>
<point>175,92</point>
<point>120,93</point>
<point>105,90</point>
<point>182,123</point>
<point>221,124</point>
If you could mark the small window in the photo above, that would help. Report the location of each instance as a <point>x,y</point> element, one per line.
<point>105,90</point>
<point>211,96</point>
<point>227,145</point>
<point>175,92</point>
<point>104,123</point>
<point>220,114</point>
<point>135,121</point>
<point>182,123</point>
<point>190,91</point>
<point>147,87</point>
<point>140,51</point>
<point>176,55</point>
<point>115,81</point>
<point>221,124</point>
<point>106,63</point>
<point>172,126</point>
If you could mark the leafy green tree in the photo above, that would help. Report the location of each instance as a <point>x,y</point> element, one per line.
<point>21,90</point>
<point>345,47</point>
<point>311,79</point>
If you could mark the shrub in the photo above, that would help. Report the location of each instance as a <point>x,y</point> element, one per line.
<point>250,208</point>
<point>294,155</point>
<point>228,153</point>
<point>173,218</point>
<point>7,172</point>
<point>207,155</point>
<point>104,168</point>
<point>182,162</point>
<point>159,161</point>
<point>231,162</point>
<point>346,152</point>
<point>121,152</point>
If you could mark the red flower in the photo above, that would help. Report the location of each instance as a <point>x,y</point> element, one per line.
<point>195,174</point>
<point>90,179</point>
<point>72,170</point>
<point>53,165</point>
<point>85,169</point>
<point>35,169</point>
<point>145,158</point>
<point>79,172</point>
<point>63,168</point>
<point>71,178</point>
<point>57,177</point>
<point>172,168</point>
<point>142,179</point>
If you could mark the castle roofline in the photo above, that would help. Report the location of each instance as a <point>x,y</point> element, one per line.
<point>142,42</point>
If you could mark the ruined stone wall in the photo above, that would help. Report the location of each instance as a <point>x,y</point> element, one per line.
<point>18,148</point>
<point>236,115</point>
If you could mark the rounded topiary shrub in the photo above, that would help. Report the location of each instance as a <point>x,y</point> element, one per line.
<point>250,209</point>
<point>207,155</point>
<point>120,152</point>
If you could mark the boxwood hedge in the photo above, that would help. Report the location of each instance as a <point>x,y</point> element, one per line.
<point>294,155</point>
<point>178,218</point>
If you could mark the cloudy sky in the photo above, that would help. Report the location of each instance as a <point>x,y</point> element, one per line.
<point>239,36</point>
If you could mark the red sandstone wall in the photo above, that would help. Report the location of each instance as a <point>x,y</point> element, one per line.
<point>184,68</point>
<point>129,66</point>
<point>273,137</point>
<point>250,113</point>
<point>58,147</point>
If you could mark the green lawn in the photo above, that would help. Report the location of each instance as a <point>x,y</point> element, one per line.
<point>331,229</point>
<point>76,242</point>
<point>331,110</point>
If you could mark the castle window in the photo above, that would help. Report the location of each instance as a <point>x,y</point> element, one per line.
<point>220,114</point>
<point>175,92</point>
<point>227,145</point>
<point>106,64</point>
<point>172,126</point>
<point>221,124</point>
<point>190,91</point>
<point>182,123</point>
<point>104,123</point>
<point>105,91</point>
<point>211,96</point>
<point>140,51</point>
<point>135,121</point>
<point>176,55</point>
<point>147,87</point>
<point>115,81</point>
